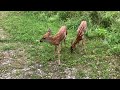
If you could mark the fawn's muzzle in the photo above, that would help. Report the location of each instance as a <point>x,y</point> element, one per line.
<point>41,41</point>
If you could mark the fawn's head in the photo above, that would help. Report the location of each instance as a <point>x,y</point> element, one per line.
<point>45,36</point>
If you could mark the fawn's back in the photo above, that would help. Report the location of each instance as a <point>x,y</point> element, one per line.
<point>80,34</point>
<point>56,39</point>
<point>82,28</point>
<point>61,34</point>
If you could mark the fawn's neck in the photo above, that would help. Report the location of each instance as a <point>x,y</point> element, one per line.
<point>78,39</point>
<point>74,44</point>
<point>52,41</point>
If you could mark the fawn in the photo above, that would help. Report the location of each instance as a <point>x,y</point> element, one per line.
<point>80,35</point>
<point>56,40</point>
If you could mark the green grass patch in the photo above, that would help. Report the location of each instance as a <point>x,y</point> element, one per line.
<point>27,27</point>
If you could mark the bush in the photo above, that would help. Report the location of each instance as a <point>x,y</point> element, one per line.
<point>95,17</point>
<point>113,38</point>
<point>106,22</point>
<point>98,32</point>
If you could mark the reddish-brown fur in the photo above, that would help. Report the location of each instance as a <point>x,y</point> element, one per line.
<point>80,34</point>
<point>57,39</point>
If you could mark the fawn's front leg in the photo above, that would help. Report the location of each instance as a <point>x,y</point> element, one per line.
<point>59,49</point>
<point>55,52</point>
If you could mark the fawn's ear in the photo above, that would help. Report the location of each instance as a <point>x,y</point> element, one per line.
<point>49,30</point>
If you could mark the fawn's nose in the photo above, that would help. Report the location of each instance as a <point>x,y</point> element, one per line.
<point>41,41</point>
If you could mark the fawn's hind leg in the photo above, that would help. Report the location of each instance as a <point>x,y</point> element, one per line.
<point>55,52</point>
<point>64,41</point>
<point>83,44</point>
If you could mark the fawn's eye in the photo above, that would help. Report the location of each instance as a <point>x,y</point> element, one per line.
<point>43,38</point>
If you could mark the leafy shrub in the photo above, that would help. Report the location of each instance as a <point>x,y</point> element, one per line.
<point>113,38</point>
<point>98,32</point>
<point>95,17</point>
<point>106,22</point>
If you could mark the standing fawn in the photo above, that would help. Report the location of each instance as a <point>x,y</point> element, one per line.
<point>80,35</point>
<point>56,40</point>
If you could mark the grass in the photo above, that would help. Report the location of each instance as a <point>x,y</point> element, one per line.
<point>98,61</point>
